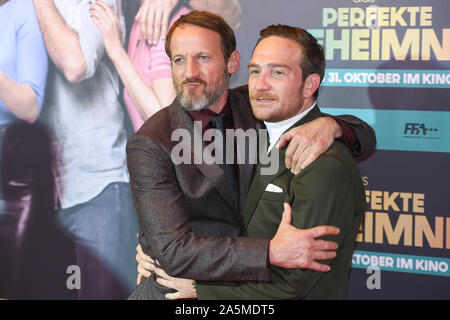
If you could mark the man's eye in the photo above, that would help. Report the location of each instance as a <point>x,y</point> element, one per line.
<point>253,71</point>
<point>277,73</point>
<point>204,58</point>
<point>178,60</point>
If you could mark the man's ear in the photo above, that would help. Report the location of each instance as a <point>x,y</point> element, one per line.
<point>312,83</point>
<point>233,62</point>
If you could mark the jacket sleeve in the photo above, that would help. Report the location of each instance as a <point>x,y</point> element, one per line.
<point>166,233</point>
<point>364,135</point>
<point>327,178</point>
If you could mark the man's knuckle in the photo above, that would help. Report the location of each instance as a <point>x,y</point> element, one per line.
<point>301,236</point>
<point>299,137</point>
<point>317,232</point>
<point>307,234</point>
<point>296,156</point>
<point>315,154</point>
<point>322,145</point>
<point>289,152</point>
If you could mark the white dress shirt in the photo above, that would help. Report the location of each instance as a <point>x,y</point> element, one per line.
<point>276,129</point>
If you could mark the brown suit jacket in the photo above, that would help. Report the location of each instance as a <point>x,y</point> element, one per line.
<point>181,207</point>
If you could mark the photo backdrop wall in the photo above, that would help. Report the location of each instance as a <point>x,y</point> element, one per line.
<point>388,63</point>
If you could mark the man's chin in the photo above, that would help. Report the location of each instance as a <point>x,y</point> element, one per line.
<point>194,105</point>
<point>261,116</point>
<point>268,117</point>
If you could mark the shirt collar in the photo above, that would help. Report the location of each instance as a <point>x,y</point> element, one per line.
<point>206,115</point>
<point>276,129</point>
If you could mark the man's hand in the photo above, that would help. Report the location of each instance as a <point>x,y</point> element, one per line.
<point>184,287</point>
<point>293,248</point>
<point>308,141</point>
<point>153,18</point>
<point>145,264</point>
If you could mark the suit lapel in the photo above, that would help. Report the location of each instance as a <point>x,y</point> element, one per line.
<point>260,182</point>
<point>243,119</point>
<point>180,119</point>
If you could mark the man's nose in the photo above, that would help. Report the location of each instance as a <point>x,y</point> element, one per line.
<point>192,71</point>
<point>261,83</point>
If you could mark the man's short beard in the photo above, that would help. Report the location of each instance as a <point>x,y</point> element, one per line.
<point>205,101</point>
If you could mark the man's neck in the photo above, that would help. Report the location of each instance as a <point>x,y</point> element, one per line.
<point>276,129</point>
<point>306,105</point>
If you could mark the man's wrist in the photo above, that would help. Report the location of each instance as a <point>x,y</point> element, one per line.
<point>337,127</point>
<point>348,136</point>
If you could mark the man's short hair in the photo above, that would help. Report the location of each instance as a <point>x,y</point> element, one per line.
<point>207,20</point>
<point>313,53</point>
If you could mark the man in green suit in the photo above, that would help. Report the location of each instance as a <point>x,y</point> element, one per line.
<point>285,72</point>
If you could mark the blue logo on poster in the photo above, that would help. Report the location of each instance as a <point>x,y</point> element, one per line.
<point>407,130</point>
<point>419,130</point>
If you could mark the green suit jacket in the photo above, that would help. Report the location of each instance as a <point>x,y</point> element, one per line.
<point>327,192</point>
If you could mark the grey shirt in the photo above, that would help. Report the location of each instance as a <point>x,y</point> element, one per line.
<point>86,117</point>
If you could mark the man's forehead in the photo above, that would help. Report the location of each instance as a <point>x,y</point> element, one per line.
<point>191,30</point>
<point>275,50</point>
<point>271,65</point>
<point>191,37</point>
